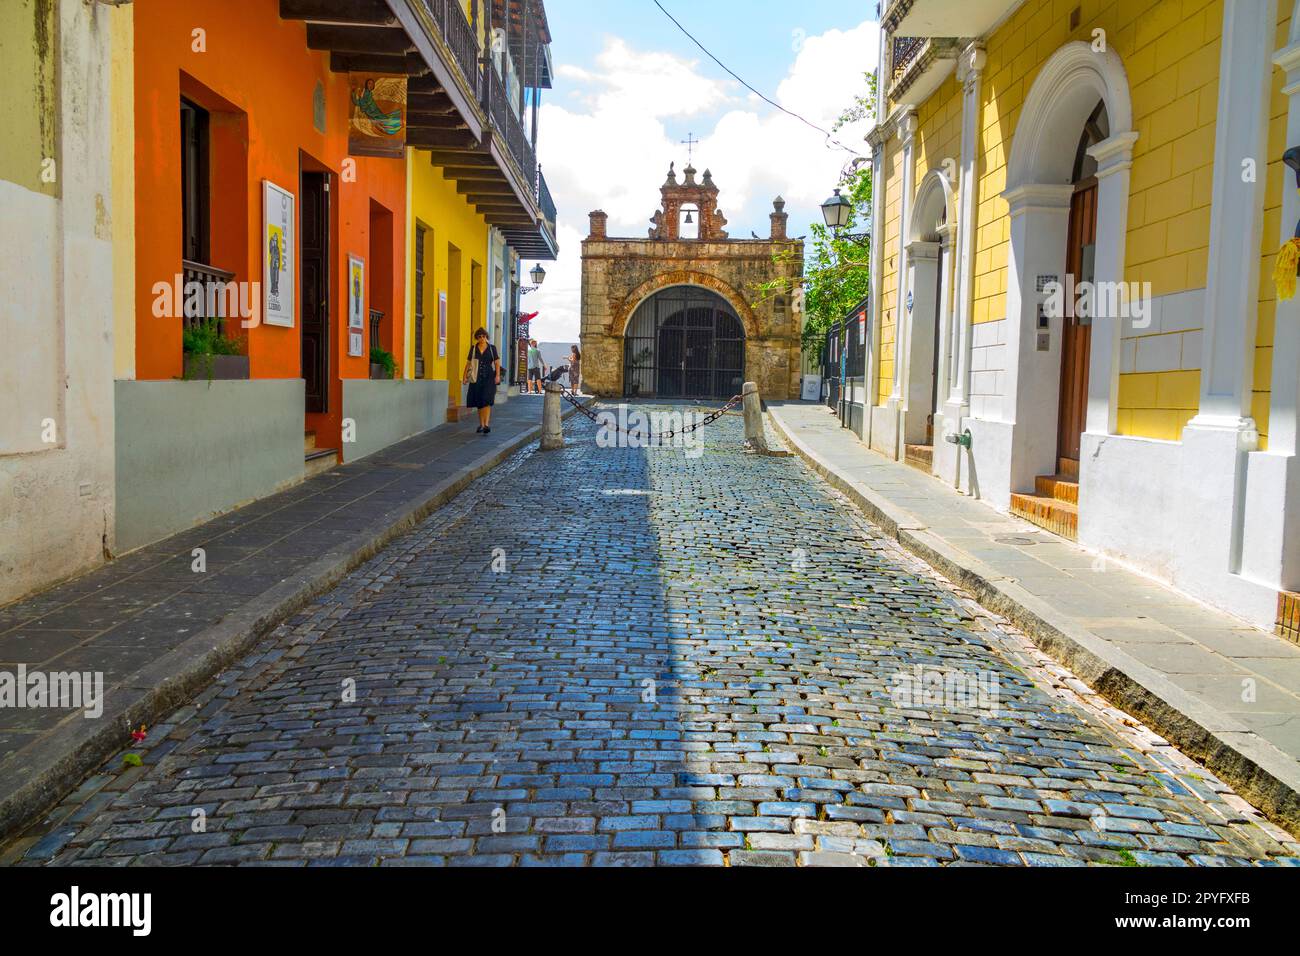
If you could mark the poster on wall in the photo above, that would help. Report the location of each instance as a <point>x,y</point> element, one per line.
<point>356,305</point>
<point>442,324</point>
<point>377,118</point>
<point>277,255</point>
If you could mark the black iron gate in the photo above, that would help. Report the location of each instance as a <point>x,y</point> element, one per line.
<point>684,342</point>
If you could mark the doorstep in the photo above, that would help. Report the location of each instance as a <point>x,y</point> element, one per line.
<point>159,630</point>
<point>1175,664</point>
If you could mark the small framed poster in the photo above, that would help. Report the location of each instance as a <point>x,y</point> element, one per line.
<point>442,324</point>
<point>356,305</point>
<point>277,255</point>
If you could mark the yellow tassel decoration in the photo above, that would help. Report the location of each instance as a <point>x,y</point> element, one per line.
<point>1284,273</point>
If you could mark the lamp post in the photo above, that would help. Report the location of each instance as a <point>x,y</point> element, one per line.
<point>538,275</point>
<point>838,213</point>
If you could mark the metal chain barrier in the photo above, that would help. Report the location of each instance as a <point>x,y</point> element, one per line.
<point>594,417</point>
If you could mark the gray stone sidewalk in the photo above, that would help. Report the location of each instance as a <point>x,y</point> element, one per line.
<point>158,629</point>
<point>1224,692</point>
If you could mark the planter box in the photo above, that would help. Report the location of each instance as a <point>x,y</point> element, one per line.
<point>377,373</point>
<point>222,368</point>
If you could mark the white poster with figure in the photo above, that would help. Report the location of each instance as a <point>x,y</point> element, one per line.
<point>277,255</point>
<point>356,304</point>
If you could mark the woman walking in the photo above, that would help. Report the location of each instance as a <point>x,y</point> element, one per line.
<point>483,375</point>
<point>575,369</point>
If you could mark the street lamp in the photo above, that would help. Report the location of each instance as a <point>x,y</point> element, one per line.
<point>538,275</point>
<point>838,211</point>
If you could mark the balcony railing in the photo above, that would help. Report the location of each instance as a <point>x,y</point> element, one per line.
<point>459,34</point>
<point>544,201</point>
<point>905,50</point>
<point>217,304</point>
<point>490,92</point>
<point>376,317</point>
<point>511,130</point>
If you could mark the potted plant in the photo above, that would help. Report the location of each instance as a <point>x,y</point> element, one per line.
<point>209,354</point>
<point>382,365</point>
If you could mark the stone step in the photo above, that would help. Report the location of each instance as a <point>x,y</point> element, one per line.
<point>1059,487</point>
<point>920,456</point>
<point>1068,467</point>
<point>1288,615</point>
<point>321,460</point>
<point>308,442</point>
<point>1059,517</point>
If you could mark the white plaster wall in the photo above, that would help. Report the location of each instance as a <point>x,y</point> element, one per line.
<point>988,379</point>
<point>56,294</point>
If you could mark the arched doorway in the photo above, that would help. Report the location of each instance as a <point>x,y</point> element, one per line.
<point>925,360</point>
<point>684,342</point>
<point>1067,193</point>
<point>1080,264</point>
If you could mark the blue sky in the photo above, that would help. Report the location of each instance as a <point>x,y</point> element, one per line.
<point>630,86</point>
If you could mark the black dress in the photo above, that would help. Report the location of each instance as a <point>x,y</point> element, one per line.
<point>483,391</point>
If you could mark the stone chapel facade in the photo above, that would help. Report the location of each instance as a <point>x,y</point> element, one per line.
<point>680,314</point>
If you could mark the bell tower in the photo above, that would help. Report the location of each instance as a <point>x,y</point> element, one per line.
<point>666,222</point>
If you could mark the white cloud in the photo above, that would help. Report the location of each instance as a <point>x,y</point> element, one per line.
<point>608,148</point>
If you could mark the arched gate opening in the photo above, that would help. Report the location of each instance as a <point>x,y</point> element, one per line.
<point>684,342</point>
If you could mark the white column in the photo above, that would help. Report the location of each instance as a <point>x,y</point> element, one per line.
<point>1215,442</point>
<point>1284,406</point>
<point>970,70</point>
<point>1236,218</point>
<point>922,261</point>
<point>906,132</point>
<point>948,335</point>
<point>872,380</point>
<point>1114,158</point>
<point>1040,216</point>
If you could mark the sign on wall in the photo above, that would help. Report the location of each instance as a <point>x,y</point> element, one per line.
<point>356,305</point>
<point>277,255</point>
<point>377,118</point>
<point>442,324</point>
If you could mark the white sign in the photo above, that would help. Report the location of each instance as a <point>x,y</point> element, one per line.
<point>277,255</point>
<point>356,305</point>
<point>812,388</point>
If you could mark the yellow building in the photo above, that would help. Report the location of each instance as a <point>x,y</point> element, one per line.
<point>477,199</point>
<point>1077,208</point>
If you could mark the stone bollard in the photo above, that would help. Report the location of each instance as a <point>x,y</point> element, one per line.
<point>552,428</point>
<point>754,437</point>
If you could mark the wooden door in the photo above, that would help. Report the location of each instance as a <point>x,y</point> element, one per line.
<point>315,296</point>
<point>1076,338</point>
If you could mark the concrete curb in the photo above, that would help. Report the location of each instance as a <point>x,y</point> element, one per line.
<point>56,764</point>
<point>1257,770</point>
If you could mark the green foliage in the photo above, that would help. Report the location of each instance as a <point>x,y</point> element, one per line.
<point>836,271</point>
<point>205,338</point>
<point>384,358</point>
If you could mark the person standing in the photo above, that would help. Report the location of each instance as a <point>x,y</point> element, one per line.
<point>535,367</point>
<point>575,369</point>
<point>482,375</point>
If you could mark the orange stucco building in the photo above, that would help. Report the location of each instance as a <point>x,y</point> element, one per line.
<point>274,111</point>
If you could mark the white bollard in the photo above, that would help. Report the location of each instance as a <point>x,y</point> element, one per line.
<point>754,437</point>
<point>552,428</point>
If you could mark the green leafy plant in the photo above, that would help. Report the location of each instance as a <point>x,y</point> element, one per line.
<point>204,340</point>
<point>836,271</point>
<point>384,359</point>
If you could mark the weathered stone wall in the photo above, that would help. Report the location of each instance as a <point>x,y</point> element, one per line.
<point>619,274</point>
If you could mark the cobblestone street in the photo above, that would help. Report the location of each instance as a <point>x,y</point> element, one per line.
<point>644,657</point>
